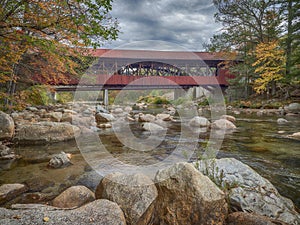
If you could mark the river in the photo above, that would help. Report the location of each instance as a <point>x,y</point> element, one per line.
<point>258,142</point>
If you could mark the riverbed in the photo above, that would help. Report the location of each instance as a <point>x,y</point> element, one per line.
<point>259,141</point>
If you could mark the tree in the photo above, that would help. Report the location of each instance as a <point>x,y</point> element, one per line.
<point>270,66</point>
<point>45,39</point>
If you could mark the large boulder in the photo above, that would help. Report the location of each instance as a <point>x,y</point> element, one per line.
<point>248,191</point>
<point>74,197</point>
<point>186,196</point>
<point>7,126</point>
<point>104,117</point>
<point>228,117</point>
<point>223,124</point>
<point>10,191</point>
<point>199,121</point>
<point>97,212</point>
<point>45,132</point>
<point>164,117</point>
<point>295,136</point>
<point>133,193</point>
<point>238,218</point>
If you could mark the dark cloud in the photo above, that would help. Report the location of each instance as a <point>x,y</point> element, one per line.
<point>187,23</point>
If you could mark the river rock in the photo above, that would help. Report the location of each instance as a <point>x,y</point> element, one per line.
<point>223,124</point>
<point>90,179</point>
<point>100,109</point>
<point>186,196</point>
<point>133,193</point>
<point>164,117</point>
<point>282,121</point>
<point>128,109</point>
<point>152,127</point>
<point>60,160</point>
<point>97,212</point>
<point>295,136</point>
<point>228,117</point>
<point>104,117</point>
<point>118,111</point>
<point>7,126</point>
<point>74,197</point>
<point>238,218</point>
<point>45,132</point>
<point>292,108</point>
<point>6,153</point>
<point>10,191</point>
<point>54,116</point>
<point>199,121</point>
<point>248,191</point>
<point>146,118</point>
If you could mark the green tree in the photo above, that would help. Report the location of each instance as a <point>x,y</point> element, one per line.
<point>45,39</point>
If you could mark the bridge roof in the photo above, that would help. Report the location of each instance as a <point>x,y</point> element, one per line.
<point>157,55</point>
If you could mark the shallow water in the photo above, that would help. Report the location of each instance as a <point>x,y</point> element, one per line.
<point>256,142</point>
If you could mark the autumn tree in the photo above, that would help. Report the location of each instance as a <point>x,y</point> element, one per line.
<point>44,40</point>
<point>246,23</point>
<point>270,66</point>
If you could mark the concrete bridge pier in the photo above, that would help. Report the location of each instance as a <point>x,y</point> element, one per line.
<point>105,97</point>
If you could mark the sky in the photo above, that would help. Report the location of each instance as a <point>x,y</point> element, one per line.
<point>164,24</point>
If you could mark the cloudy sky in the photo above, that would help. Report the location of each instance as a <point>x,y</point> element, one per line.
<point>180,24</point>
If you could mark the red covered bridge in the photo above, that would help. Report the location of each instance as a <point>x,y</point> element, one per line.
<point>145,69</point>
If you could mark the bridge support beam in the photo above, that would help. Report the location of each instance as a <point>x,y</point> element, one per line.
<point>105,97</point>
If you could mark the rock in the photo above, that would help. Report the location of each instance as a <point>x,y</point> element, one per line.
<point>238,218</point>
<point>295,135</point>
<point>292,108</point>
<point>32,109</point>
<point>248,191</point>
<point>6,153</point>
<point>100,109</point>
<point>74,197</point>
<point>128,109</point>
<point>60,160</point>
<point>228,117</point>
<point>97,212</point>
<point>161,123</point>
<point>152,127</point>
<point>67,117</point>
<point>104,117</point>
<point>146,118</point>
<point>38,184</point>
<point>69,111</point>
<point>45,132</point>
<point>199,121</point>
<point>133,193</point>
<point>118,111</point>
<point>223,124</point>
<point>90,179</point>
<point>104,125</point>
<point>10,191</point>
<point>282,121</point>
<point>7,126</point>
<point>186,196</point>
<point>164,117</point>
<point>54,116</point>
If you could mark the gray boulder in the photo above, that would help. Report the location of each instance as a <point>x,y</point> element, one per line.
<point>282,121</point>
<point>199,121</point>
<point>186,196</point>
<point>152,127</point>
<point>223,124</point>
<point>97,212</point>
<point>133,193</point>
<point>146,118</point>
<point>238,218</point>
<point>45,132</point>
<point>7,126</point>
<point>248,191</point>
